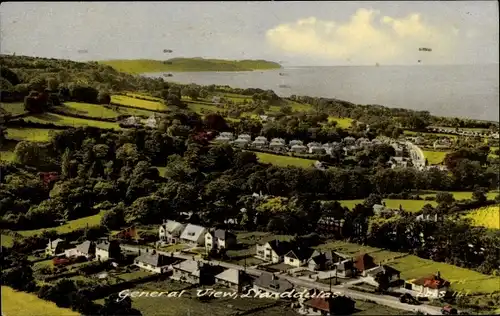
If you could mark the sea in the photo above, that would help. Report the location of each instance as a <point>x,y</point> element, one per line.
<point>464,91</point>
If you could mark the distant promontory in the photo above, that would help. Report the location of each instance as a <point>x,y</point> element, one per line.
<point>137,66</point>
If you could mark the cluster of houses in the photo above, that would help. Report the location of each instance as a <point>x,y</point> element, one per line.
<point>135,121</point>
<point>349,144</point>
<point>461,132</point>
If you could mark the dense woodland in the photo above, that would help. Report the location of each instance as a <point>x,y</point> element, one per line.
<point>115,171</point>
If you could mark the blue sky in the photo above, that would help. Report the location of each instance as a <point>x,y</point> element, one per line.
<point>297,33</point>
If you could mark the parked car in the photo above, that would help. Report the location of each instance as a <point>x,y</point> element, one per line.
<point>448,310</point>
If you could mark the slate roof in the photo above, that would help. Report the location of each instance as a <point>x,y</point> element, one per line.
<point>269,281</point>
<point>232,275</point>
<point>171,226</point>
<point>85,247</point>
<point>320,257</point>
<point>386,269</point>
<point>154,259</point>
<point>104,245</point>
<point>364,262</point>
<point>345,265</point>
<point>300,253</point>
<point>192,232</point>
<point>53,244</point>
<point>223,234</point>
<point>189,266</point>
<point>280,247</point>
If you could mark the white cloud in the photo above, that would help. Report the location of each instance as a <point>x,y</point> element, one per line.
<point>367,37</point>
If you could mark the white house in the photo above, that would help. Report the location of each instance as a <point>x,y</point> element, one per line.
<point>152,121</point>
<point>193,235</point>
<point>170,231</point>
<point>313,144</point>
<point>277,145</point>
<point>298,149</point>
<point>324,260</point>
<point>215,99</point>
<point>245,136</point>
<point>86,249</point>
<point>317,150</point>
<point>105,250</point>
<point>273,251</point>
<point>227,134</point>
<point>392,274</point>
<point>55,247</point>
<point>222,139</point>
<point>432,286</point>
<point>298,257</point>
<point>132,121</point>
<point>295,142</point>
<point>233,278</point>
<point>349,140</point>
<point>219,239</point>
<point>344,269</point>
<point>242,143</point>
<point>152,261</point>
<point>259,143</point>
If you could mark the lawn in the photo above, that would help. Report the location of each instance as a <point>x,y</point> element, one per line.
<point>138,103</point>
<point>144,96</point>
<point>198,107</point>
<point>351,249</point>
<point>6,154</point>
<point>133,275</point>
<point>30,134</point>
<point>284,161</point>
<point>93,220</point>
<point>434,157</point>
<point>492,150</point>
<point>408,205</point>
<point>488,216</point>
<point>61,120</point>
<point>461,279</point>
<point>16,303</point>
<point>14,108</point>
<point>341,122</point>
<point>7,240</point>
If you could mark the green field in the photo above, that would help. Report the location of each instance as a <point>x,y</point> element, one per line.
<point>30,134</point>
<point>492,150</point>
<point>6,240</point>
<point>284,161</point>
<point>198,107</point>
<point>408,205</point>
<point>434,157</point>
<point>464,195</point>
<point>137,66</point>
<point>138,103</point>
<point>16,303</point>
<point>93,220</point>
<point>96,110</point>
<point>6,154</point>
<point>61,120</point>
<point>412,267</point>
<point>14,108</point>
<point>341,122</point>
<point>488,217</point>
<point>412,133</point>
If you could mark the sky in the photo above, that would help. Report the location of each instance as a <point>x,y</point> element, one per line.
<point>293,33</point>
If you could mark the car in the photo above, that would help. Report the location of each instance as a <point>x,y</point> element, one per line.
<point>448,310</point>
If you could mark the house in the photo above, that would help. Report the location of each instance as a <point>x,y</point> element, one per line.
<point>427,217</point>
<point>245,136</point>
<point>55,247</point>
<point>328,306</point>
<point>320,261</point>
<point>222,139</point>
<point>273,251</point>
<point>442,143</point>
<point>106,249</point>
<point>313,144</point>
<point>259,143</point>
<point>242,143</point>
<point>152,121</point>
<point>364,262</point>
<point>170,231</point>
<point>298,148</point>
<point>132,121</point>
<point>392,274</point>
<point>316,150</point>
<point>398,149</point>
<point>195,272</point>
<point>193,235</point>
<point>319,165</point>
<point>277,145</point>
<point>344,269</point>
<point>378,209</point>
<point>219,239</point>
<point>152,261</point>
<point>298,257</point>
<point>233,278</point>
<point>270,283</point>
<point>86,249</point>
<point>216,99</point>
<point>295,142</point>
<point>432,286</point>
<point>349,140</point>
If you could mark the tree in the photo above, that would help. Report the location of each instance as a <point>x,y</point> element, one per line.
<point>103,97</point>
<point>444,198</point>
<point>3,134</point>
<point>215,122</point>
<point>52,84</point>
<point>479,194</point>
<point>115,305</point>
<point>115,217</point>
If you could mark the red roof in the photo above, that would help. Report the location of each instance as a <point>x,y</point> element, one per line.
<point>432,281</point>
<point>318,303</point>
<point>364,262</point>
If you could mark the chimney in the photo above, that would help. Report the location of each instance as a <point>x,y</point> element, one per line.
<point>438,275</point>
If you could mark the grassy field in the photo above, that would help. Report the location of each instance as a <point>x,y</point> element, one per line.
<point>412,133</point>
<point>93,220</point>
<point>6,154</point>
<point>284,160</point>
<point>95,110</point>
<point>408,205</point>
<point>198,107</point>
<point>16,303</point>
<point>488,217</point>
<point>138,103</point>
<point>492,150</point>
<point>467,195</point>
<point>434,157</point>
<point>14,108</point>
<point>341,122</point>
<point>61,120</point>
<point>30,134</point>
<point>137,66</point>
<point>6,240</point>
<point>412,267</point>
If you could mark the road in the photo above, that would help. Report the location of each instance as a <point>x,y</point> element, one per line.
<point>416,154</point>
<point>379,299</point>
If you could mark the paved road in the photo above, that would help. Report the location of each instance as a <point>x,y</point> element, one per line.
<point>379,299</point>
